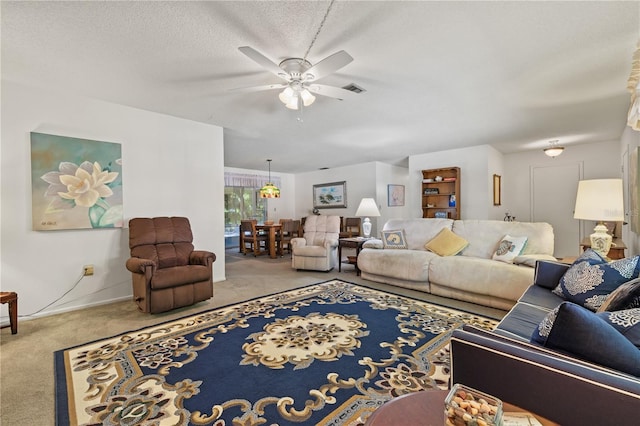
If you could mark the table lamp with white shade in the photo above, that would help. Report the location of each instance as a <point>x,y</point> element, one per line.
<point>367,208</point>
<point>600,200</point>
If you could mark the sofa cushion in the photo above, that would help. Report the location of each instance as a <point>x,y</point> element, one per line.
<point>509,248</point>
<point>484,235</point>
<point>480,276</point>
<point>589,283</point>
<point>180,275</point>
<point>446,243</point>
<point>410,265</point>
<point>393,239</point>
<point>627,296</point>
<point>573,329</point>
<point>417,231</point>
<point>627,322</point>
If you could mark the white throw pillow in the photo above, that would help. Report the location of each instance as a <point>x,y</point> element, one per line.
<point>509,248</point>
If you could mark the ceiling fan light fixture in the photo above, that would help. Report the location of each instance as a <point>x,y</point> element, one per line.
<point>286,95</point>
<point>293,102</point>
<point>307,97</point>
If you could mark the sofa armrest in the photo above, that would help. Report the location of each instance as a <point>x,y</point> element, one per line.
<point>531,259</point>
<point>373,243</point>
<point>139,266</point>
<point>556,386</point>
<point>548,273</point>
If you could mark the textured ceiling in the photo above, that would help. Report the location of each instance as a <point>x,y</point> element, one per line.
<point>437,75</point>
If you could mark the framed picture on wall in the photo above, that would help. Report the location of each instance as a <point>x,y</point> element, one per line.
<point>330,195</point>
<point>497,180</point>
<point>395,195</point>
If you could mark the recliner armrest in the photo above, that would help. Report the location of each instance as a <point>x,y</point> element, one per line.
<point>298,242</point>
<point>138,265</point>
<point>330,243</point>
<point>202,257</point>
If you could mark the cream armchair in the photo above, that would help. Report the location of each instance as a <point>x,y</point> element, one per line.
<point>317,249</point>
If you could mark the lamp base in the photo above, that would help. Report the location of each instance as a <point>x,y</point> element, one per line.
<point>601,240</point>
<point>366,227</point>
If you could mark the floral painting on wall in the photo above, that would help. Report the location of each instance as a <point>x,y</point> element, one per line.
<point>75,183</point>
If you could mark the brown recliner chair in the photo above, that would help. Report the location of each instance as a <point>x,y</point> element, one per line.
<point>167,272</point>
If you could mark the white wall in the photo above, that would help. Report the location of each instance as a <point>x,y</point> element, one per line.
<point>475,178</point>
<point>599,160</point>
<point>279,208</point>
<point>171,167</point>
<point>361,183</point>
<point>630,140</point>
<point>387,174</point>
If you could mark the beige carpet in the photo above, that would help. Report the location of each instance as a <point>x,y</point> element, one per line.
<point>26,359</point>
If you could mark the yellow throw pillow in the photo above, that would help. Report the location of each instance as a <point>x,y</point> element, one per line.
<point>446,243</point>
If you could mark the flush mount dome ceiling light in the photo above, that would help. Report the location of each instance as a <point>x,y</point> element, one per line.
<point>554,149</point>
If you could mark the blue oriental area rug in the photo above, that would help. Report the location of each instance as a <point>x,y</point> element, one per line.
<point>326,354</point>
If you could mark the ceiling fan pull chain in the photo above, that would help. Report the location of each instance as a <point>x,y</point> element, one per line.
<point>318,32</point>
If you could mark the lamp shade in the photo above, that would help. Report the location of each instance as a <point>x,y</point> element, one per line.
<point>600,199</point>
<point>368,207</point>
<point>269,190</point>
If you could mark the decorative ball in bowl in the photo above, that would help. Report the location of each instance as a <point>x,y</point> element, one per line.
<point>465,406</point>
<point>268,222</point>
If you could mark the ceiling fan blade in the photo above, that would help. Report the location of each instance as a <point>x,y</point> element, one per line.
<point>327,66</point>
<point>259,88</point>
<point>263,61</point>
<point>330,91</point>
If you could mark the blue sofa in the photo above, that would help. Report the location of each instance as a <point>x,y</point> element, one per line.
<point>555,384</point>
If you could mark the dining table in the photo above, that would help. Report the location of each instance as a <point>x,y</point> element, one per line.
<point>273,230</point>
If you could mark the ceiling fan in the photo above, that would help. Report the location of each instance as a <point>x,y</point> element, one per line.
<point>299,77</point>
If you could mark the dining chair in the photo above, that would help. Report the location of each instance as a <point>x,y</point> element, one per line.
<point>290,229</point>
<point>351,227</point>
<point>255,241</point>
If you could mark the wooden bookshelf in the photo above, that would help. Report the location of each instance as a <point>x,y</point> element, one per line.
<point>441,198</point>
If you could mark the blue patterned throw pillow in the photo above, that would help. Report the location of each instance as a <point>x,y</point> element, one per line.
<point>574,330</point>
<point>590,279</point>
<point>627,322</point>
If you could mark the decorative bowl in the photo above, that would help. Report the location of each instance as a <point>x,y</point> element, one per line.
<point>467,406</point>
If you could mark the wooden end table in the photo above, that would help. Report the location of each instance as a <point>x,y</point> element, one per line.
<point>615,252</point>
<point>11,298</point>
<point>355,243</point>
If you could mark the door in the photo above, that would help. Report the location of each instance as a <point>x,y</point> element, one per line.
<point>553,200</point>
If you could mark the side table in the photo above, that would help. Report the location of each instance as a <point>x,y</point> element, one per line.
<point>355,243</point>
<point>11,298</point>
<point>615,252</point>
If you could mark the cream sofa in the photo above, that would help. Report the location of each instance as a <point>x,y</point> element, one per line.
<point>471,275</point>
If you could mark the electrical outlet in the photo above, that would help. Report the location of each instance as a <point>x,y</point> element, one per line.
<point>88,270</point>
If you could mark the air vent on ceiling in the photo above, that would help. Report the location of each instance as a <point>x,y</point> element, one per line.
<point>353,88</point>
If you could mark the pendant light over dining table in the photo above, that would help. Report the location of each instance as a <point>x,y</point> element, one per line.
<point>269,190</point>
